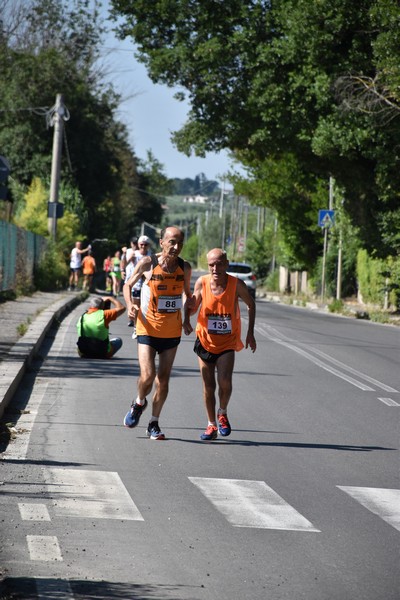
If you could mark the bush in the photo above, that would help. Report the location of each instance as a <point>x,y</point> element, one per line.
<point>190,250</point>
<point>379,317</point>
<point>370,281</point>
<point>271,283</point>
<point>375,276</point>
<point>336,306</point>
<point>52,272</point>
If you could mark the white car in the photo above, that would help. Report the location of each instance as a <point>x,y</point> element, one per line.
<point>244,272</point>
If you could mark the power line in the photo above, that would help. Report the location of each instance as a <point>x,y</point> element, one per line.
<point>41,111</point>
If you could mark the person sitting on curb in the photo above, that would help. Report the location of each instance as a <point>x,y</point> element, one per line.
<point>93,332</point>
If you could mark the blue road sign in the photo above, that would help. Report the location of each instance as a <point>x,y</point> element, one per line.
<point>326,218</point>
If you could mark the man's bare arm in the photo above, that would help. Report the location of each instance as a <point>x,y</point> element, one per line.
<point>243,293</point>
<point>191,306</point>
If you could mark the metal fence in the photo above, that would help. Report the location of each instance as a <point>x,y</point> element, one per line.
<point>20,252</point>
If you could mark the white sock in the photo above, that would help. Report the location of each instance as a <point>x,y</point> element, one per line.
<point>213,423</point>
<point>153,419</point>
<point>221,411</point>
<point>139,401</point>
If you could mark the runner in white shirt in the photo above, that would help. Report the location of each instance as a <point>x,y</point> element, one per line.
<point>134,257</point>
<point>75,264</point>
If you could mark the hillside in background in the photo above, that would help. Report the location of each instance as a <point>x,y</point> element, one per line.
<point>199,185</point>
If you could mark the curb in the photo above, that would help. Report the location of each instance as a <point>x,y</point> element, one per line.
<point>20,356</point>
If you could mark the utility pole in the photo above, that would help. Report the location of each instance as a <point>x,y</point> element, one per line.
<point>58,122</point>
<point>223,229</point>
<point>325,251</point>
<point>221,200</point>
<point>198,233</point>
<point>339,268</point>
<point>340,252</point>
<point>273,261</point>
<point>222,213</point>
<point>246,216</point>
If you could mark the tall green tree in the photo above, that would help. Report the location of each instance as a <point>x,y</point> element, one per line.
<point>265,80</point>
<point>50,47</point>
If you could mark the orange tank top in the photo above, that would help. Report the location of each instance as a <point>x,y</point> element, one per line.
<point>218,324</point>
<point>160,313</point>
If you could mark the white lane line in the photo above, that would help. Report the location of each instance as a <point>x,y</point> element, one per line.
<point>381,501</point>
<point>90,494</point>
<point>280,338</point>
<point>370,380</point>
<point>33,512</point>
<point>45,589</point>
<point>44,548</point>
<point>389,401</point>
<point>251,504</point>
<point>18,448</point>
<point>319,363</point>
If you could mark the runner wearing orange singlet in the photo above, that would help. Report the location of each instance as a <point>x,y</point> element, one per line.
<point>218,333</point>
<point>159,323</point>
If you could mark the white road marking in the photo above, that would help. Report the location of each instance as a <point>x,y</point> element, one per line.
<point>251,504</point>
<point>90,494</point>
<point>33,512</point>
<point>44,548</point>
<point>319,363</point>
<point>389,401</point>
<point>280,338</point>
<point>371,380</point>
<point>18,448</point>
<point>381,501</point>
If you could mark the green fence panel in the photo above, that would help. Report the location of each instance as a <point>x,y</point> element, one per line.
<point>20,253</point>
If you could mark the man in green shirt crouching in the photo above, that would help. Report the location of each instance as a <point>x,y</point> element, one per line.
<point>93,329</point>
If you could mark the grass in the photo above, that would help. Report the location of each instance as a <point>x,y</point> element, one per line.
<point>22,328</point>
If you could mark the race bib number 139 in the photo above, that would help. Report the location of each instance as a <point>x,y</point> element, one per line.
<point>219,324</point>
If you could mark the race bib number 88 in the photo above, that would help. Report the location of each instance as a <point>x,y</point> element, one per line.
<point>168,304</point>
<point>219,324</point>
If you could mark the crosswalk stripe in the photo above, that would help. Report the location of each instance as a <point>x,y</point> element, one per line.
<point>44,548</point>
<point>251,504</point>
<point>33,512</point>
<point>90,494</point>
<point>381,501</point>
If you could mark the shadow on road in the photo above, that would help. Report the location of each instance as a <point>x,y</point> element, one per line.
<point>27,588</point>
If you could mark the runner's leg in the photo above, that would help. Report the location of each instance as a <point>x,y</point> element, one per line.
<point>207,371</point>
<point>166,360</point>
<point>225,364</point>
<point>146,357</point>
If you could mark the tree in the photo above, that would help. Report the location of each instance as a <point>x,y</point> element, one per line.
<point>262,79</point>
<point>49,47</point>
<point>33,215</point>
<point>199,185</point>
<point>295,197</point>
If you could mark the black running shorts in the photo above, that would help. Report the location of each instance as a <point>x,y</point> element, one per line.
<point>159,344</point>
<point>208,357</point>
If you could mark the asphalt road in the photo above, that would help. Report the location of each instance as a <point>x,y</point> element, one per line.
<point>302,501</point>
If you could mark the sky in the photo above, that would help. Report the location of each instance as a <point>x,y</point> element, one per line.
<point>151,113</point>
